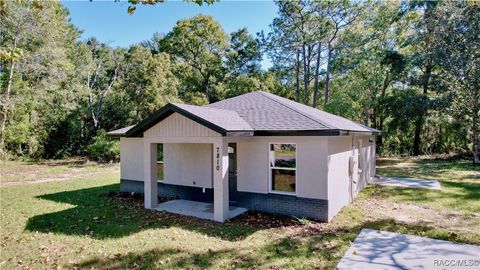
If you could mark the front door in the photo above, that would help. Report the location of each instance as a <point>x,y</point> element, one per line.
<point>232,171</point>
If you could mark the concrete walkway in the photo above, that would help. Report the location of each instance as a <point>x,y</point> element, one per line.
<point>195,209</point>
<point>374,249</point>
<point>406,182</point>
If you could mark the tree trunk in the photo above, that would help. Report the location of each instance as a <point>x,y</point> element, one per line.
<point>327,76</point>
<point>475,134</point>
<point>382,116</point>
<point>297,76</point>
<point>305,73</point>
<point>317,74</point>
<point>207,91</point>
<point>6,104</point>
<point>97,113</point>
<point>421,115</point>
<point>92,111</point>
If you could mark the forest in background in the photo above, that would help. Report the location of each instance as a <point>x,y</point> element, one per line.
<point>408,68</point>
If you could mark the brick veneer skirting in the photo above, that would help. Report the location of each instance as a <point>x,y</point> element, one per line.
<point>284,204</point>
<point>169,190</point>
<point>269,203</point>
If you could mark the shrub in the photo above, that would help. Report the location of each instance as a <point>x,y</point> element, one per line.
<point>104,149</point>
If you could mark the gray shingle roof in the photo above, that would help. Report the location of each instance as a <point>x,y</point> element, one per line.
<point>265,111</point>
<point>119,132</point>
<point>258,112</point>
<point>226,119</point>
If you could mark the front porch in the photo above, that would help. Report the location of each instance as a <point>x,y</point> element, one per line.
<point>196,209</point>
<point>191,175</point>
<point>195,144</point>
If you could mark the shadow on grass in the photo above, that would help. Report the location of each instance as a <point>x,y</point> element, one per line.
<point>312,245</point>
<point>99,216</point>
<point>156,259</point>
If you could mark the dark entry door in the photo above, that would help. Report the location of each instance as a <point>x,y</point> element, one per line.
<point>232,171</point>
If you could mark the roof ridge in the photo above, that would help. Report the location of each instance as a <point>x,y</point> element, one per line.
<point>201,106</point>
<point>297,111</point>
<point>217,109</point>
<point>240,115</point>
<point>213,108</point>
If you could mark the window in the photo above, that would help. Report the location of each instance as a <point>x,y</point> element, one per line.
<point>283,167</point>
<point>160,164</point>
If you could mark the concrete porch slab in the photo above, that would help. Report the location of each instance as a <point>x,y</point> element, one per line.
<point>196,209</point>
<point>374,249</point>
<point>406,182</point>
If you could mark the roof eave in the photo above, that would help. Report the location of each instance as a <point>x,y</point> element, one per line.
<point>356,132</point>
<point>318,132</point>
<point>116,135</point>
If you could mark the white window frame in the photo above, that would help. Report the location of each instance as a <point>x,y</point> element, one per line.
<point>359,157</point>
<point>270,184</point>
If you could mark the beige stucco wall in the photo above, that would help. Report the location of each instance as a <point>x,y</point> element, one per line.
<point>343,186</point>
<point>188,164</point>
<point>184,163</point>
<point>339,153</point>
<point>253,167</point>
<point>131,159</point>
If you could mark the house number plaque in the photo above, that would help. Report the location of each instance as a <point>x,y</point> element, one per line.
<point>218,159</point>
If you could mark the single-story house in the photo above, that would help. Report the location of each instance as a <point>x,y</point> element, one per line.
<point>257,151</point>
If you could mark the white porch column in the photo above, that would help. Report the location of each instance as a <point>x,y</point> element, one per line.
<point>220,181</point>
<point>150,172</point>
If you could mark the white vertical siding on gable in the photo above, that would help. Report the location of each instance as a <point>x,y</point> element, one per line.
<point>177,125</point>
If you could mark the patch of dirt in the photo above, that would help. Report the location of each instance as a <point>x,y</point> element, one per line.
<point>266,221</point>
<point>76,173</point>
<point>132,198</point>
<point>250,218</point>
<point>46,180</point>
<point>419,215</point>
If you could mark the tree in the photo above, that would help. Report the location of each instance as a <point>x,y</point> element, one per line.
<point>305,37</point>
<point>154,44</point>
<point>148,81</point>
<point>340,15</point>
<point>103,66</point>
<point>35,45</point>
<point>460,30</point>
<point>199,44</point>
<point>133,3</point>
<point>244,55</point>
<point>291,43</point>
<point>426,57</point>
<point>242,64</point>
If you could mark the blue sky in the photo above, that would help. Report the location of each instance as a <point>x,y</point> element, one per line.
<point>109,21</point>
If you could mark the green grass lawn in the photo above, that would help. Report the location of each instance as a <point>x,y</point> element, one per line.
<point>75,224</point>
<point>460,181</point>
